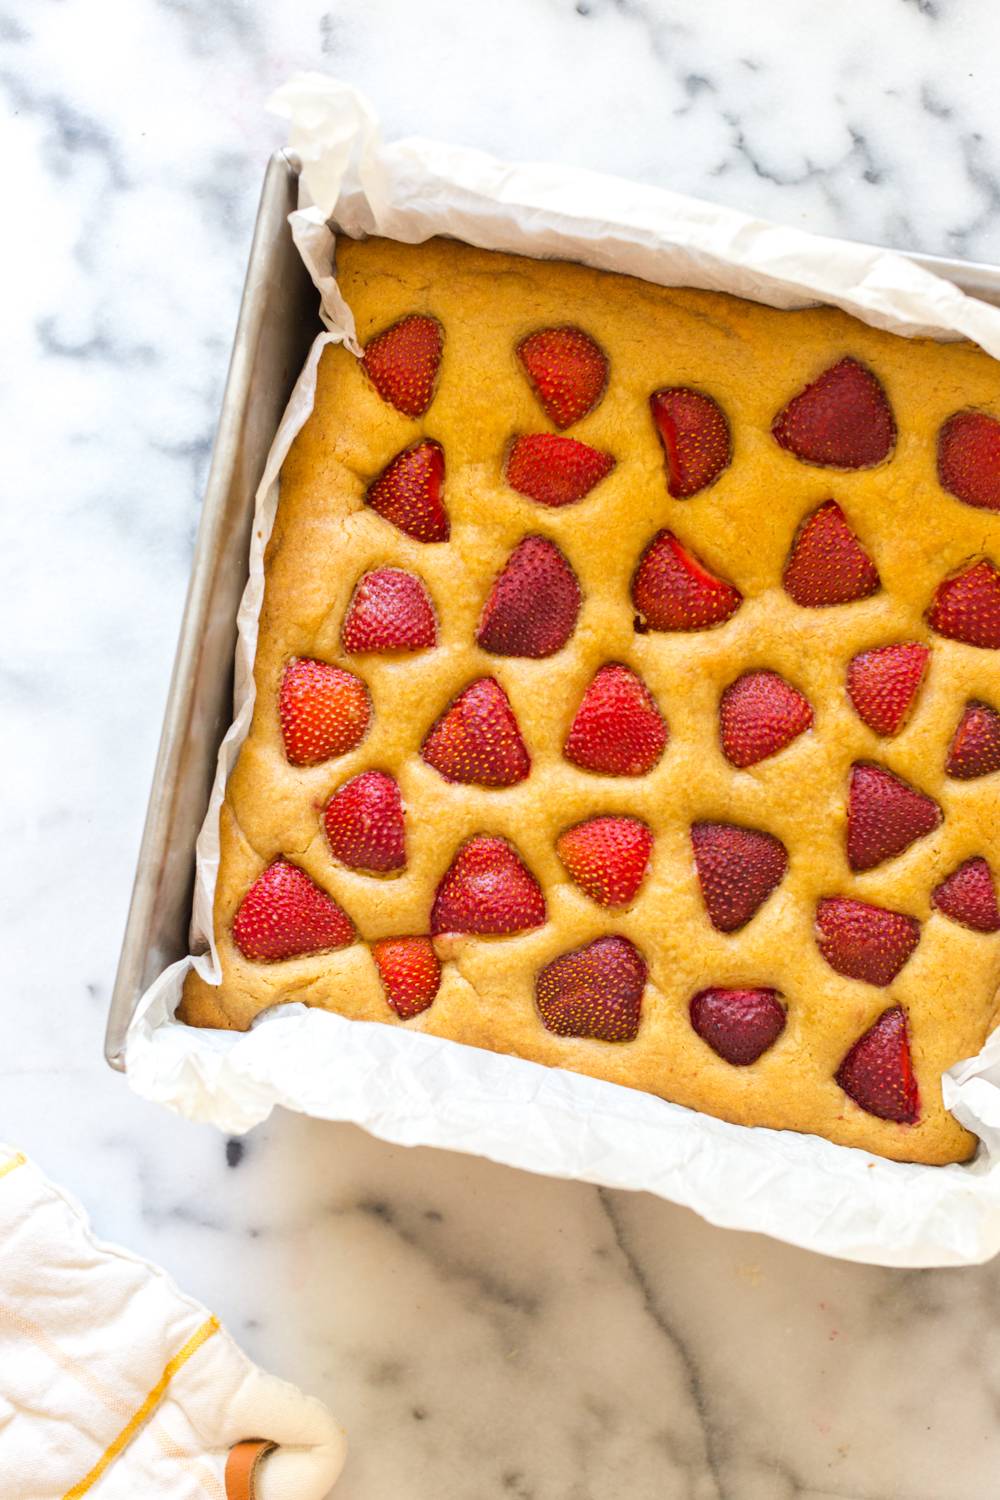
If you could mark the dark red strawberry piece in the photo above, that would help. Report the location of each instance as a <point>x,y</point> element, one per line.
<point>695,437</point>
<point>877,1073</point>
<point>568,373</point>
<point>969,459</point>
<point>672,590</point>
<point>391,611</point>
<point>364,823</point>
<point>967,608</point>
<point>975,750</point>
<point>884,816</point>
<point>284,914</point>
<point>554,470</point>
<point>840,421</point>
<point>607,857</point>
<point>533,607</point>
<point>969,896</point>
<point>828,565</point>
<point>402,363</point>
<point>618,729</point>
<point>408,493</point>
<point>759,715</point>
<point>738,868</point>
<point>862,941</point>
<point>410,971</point>
<point>477,741</point>
<point>739,1025</point>
<point>323,711</point>
<point>882,684</point>
<point>487,891</point>
<point>594,992</point>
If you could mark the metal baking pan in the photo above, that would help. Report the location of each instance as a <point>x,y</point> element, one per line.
<point>279,317</point>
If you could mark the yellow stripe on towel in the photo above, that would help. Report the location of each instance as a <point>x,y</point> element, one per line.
<point>16,1161</point>
<point>193,1344</point>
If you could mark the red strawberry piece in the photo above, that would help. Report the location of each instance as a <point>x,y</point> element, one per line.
<point>487,891</point>
<point>533,607</point>
<point>882,684</point>
<point>969,896</point>
<point>672,590</point>
<point>410,971</point>
<point>862,941</point>
<point>402,363</point>
<point>759,715</point>
<point>477,741</point>
<point>284,914</point>
<point>975,750</point>
<point>695,437</point>
<point>969,459</point>
<point>738,868</point>
<point>407,494</point>
<point>323,711</point>
<point>568,373</point>
<point>739,1025</point>
<point>967,608</point>
<point>884,816</point>
<point>840,421</point>
<point>828,565</point>
<point>877,1073</point>
<point>618,729</point>
<point>555,470</point>
<point>364,823</point>
<point>594,992</point>
<point>607,857</point>
<point>391,611</point>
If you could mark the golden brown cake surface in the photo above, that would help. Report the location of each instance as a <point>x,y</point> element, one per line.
<point>752,360</point>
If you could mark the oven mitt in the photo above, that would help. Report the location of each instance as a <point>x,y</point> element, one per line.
<point>113,1384</point>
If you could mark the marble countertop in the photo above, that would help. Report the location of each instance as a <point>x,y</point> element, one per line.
<point>481,1333</point>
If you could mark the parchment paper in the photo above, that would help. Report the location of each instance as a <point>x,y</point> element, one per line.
<point>414,1089</point>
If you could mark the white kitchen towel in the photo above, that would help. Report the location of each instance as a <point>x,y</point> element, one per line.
<point>115,1385</point>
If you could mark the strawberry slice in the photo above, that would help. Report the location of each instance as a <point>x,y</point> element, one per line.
<point>882,684</point>
<point>533,607</point>
<point>884,816</point>
<point>862,941</point>
<point>672,590</point>
<point>840,421</point>
<point>594,992</point>
<point>739,1025</point>
<point>555,471</point>
<point>618,729</point>
<point>828,565</point>
<point>364,823</point>
<point>967,608</point>
<point>738,868</point>
<point>410,971</point>
<point>477,741</point>
<point>877,1073</point>
<point>402,363</point>
<point>695,437</point>
<point>391,611</point>
<point>975,750</point>
<point>487,891</point>
<point>969,896</point>
<point>323,711</point>
<point>607,857</point>
<point>759,715</point>
<point>568,373</point>
<point>969,459</point>
<point>407,494</point>
<point>284,914</point>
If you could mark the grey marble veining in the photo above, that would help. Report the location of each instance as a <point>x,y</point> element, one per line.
<point>482,1333</point>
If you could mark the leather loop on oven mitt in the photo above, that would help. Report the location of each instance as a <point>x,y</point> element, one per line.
<point>115,1384</point>
<point>242,1467</point>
